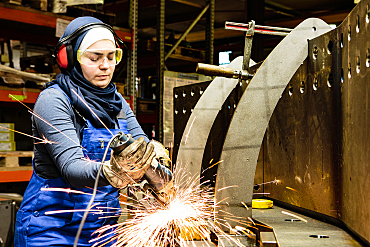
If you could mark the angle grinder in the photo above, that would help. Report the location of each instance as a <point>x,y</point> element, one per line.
<point>158,179</point>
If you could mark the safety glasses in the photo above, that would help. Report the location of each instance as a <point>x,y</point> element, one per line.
<point>96,57</point>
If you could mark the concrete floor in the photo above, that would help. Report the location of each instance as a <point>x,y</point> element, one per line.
<point>297,233</point>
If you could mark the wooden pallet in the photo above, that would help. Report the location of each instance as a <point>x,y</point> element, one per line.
<point>11,158</point>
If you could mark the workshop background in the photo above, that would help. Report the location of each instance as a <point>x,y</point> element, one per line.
<point>316,143</point>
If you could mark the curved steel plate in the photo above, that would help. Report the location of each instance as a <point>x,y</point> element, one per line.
<point>252,115</point>
<point>197,130</point>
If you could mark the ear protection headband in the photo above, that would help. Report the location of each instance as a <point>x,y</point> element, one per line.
<point>63,53</point>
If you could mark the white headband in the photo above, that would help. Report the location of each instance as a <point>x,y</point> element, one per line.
<point>94,35</point>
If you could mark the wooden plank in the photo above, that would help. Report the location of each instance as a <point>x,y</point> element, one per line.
<point>16,154</point>
<point>9,161</point>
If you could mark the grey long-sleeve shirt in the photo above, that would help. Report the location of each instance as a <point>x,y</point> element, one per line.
<point>64,156</point>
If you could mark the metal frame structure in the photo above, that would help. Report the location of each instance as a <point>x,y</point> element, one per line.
<point>161,65</point>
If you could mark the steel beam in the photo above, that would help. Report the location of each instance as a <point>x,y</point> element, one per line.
<point>210,27</point>
<point>186,32</point>
<point>132,53</point>
<point>161,63</point>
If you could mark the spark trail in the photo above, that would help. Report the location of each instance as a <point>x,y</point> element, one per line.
<point>190,214</point>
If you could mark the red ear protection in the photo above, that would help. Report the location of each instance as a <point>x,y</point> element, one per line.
<point>62,57</point>
<point>63,53</point>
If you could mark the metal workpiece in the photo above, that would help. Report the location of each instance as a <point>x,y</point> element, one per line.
<point>300,128</point>
<point>317,140</point>
<point>195,135</point>
<point>354,41</point>
<point>250,120</point>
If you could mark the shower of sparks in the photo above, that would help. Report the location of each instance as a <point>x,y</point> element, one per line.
<point>44,141</point>
<point>187,135</point>
<point>228,187</point>
<point>212,165</point>
<point>295,216</point>
<point>67,190</point>
<point>289,188</point>
<point>189,214</point>
<point>83,101</point>
<point>276,181</point>
<point>245,205</point>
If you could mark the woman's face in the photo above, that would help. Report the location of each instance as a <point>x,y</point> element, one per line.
<point>100,74</point>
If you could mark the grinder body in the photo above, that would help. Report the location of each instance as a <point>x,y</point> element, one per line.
<point>159,177</point>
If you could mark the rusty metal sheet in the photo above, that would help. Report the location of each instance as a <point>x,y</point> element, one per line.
<point>318,141</point>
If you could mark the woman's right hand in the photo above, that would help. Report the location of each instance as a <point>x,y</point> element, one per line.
<point>130,165</point>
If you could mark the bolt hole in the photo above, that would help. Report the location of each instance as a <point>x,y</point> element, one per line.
<point>330,80</point>
<point>358,24</point>
<point>358,64</point>
<point>192,92</point>
<point>184,94</point>
<point>341,40</point>
<point>349,71</point>
<point>290,90</point>
<point>330,47</point>
<point>368,58</point>
<point>315,52</point>
<point>315,84</point>
<point>314,29</point>
<point>176,94</point>
<point>367,17</point>
<point>176,111</point>
<point>192,109</point>
<point>292,220</point>
<point>183,110</point>
<point>229,105</point>
<point>201,91</point>
<point>341,76</point>
<point>319,236</point>
<point>302,87</point>
<point>349,33</point>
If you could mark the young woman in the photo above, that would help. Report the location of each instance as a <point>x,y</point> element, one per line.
<point>72,115</point>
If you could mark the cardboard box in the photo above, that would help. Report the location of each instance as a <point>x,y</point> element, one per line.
<point>7,146</point>
<point>7,136</point>
<point>4,127</point>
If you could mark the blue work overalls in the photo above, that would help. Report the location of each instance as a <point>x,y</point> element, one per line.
<point>34,227</point>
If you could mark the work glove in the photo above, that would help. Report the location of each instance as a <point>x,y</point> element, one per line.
<point>161,154</point>
<point>129,166</point>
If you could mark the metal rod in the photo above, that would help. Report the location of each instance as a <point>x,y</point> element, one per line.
<point>281,31</point>
<point>186,32</point>
<point>213,70</point>
<point>248,45</point>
